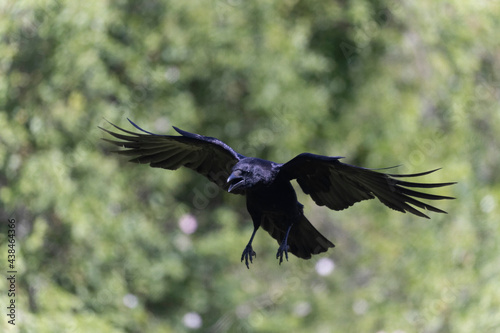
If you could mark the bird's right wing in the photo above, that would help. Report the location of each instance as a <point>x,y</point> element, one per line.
<point>206,155</point>
<point>339,185</point>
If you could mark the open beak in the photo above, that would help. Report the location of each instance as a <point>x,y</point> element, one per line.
<point>234,182</point>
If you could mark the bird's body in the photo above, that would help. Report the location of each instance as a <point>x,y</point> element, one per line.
<point>272,204</point>
<point>270,197</point>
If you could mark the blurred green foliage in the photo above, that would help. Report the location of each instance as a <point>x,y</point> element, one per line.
<point>99,247</point>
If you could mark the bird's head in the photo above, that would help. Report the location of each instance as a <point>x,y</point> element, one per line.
<point>250,172</point>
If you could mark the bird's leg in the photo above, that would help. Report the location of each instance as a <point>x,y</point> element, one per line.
<point>284,246</point>
<point>248,251</point>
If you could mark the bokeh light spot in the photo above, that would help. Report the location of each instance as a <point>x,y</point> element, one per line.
<point>130,301</point>
<point>325,266</point>
<point>192,320</point>
<point>188,224</point>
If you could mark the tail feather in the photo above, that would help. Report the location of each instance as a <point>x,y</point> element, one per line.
<point>303,240</point>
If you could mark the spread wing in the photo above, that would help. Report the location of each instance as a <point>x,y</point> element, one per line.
<point>206,155</point>
<point>337,185</point>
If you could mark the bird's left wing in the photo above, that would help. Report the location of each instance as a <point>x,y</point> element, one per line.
<point>206,155</point>
<point>338,185</point>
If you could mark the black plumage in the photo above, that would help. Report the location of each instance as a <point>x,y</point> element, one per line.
<point>271,199</point>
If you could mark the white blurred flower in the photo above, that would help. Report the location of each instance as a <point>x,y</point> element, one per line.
<point>188,224</point>
<point>192,320</point>
<point>325,266</point>
<point>130,301</point>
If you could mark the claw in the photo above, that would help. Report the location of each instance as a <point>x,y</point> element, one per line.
<point>279,254</point>
<point>248,252</point>
<point>284,246</point>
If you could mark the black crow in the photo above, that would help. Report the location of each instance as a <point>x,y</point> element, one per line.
<point>271,199</point>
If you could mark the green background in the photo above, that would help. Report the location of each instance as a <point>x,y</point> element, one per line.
<point>98,242</point>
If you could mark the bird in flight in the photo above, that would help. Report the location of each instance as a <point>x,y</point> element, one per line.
<point>270,198</point>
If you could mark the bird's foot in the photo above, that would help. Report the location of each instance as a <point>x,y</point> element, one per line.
<point>283,248</point>
<point>248,253</point>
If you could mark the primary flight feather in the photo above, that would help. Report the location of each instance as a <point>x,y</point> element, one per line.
<point>271,199</point>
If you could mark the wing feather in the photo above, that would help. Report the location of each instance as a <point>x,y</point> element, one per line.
<point>338,185</point>
<point>205,155</point>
